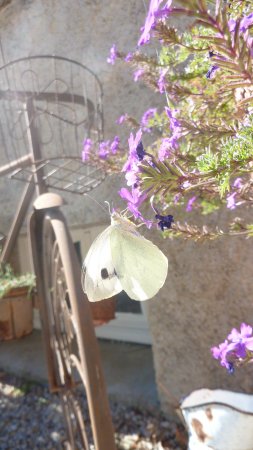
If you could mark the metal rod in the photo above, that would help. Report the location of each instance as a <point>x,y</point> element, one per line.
<point>88,347</point>
<point>17,222</point>
<point>33,141</point>
<point>22,162</point>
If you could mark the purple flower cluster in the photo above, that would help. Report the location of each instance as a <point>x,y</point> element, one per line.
<point>190,203</point>
<point>122,119</point>
<point>134,200</point>
<point>231,198</point>
<point>113,55</point>
<point>168,145</point>
<point>138,74</point>
<point>149,114</point>
<point>135,197</point>
<point>161,83</point>
<point>236,349</point>
<point>131,165</point>
<point>105,148</point>
<point>154,12</point>
<point>87,145</point>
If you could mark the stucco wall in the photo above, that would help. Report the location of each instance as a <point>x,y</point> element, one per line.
<point>208,291</point>
<point>208,286</point>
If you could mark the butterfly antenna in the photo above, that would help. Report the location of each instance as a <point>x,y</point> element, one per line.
<point>99,204</point>
<point>109,207</point>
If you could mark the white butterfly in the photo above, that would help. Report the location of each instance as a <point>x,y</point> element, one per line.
<point>119,259</point>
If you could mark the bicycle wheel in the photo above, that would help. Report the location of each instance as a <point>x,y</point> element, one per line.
<point>70,342</point>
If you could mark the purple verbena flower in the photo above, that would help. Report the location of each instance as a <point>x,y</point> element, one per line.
<point>140,151</point>
<point>211,72</point>
<point>231,204</point>
<point>129,57</point>
<point>132,157</point>
<point>138,74</point>
<point>164,222</point>
<point>114,146</point>
<point>113,55</point>
<point>104,149</point>
<point>237,183</point>
<point>190,202</point>
<point>177,198</point>
<point>134,200</point>
<point>246,23</point>
<point>237,350</point>
<point>149,114</point>
<point>151,20</point>
<point>122,119</point>
<point>165,149</point>
<point>161,83</point>
<point>87,144</point>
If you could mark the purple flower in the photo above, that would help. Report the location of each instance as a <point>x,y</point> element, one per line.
<point>134,200</point>
<point>225,353</point>
<point>132,175</point>
<point>151,20</point>
<point>237,183</point>
<point>165,149</point>
<point>190,203</point>
<point>231,204</point>
<point>171,115</point>
<point>211,72</point>
<point>161,83</point>
<point>132,157</point>
<point>164,12</point>
<point>129,57</point>
<point>164,222</point>
<point>149,114</point>
<point>87,144</point>
<point>246,23</point>
<point>241,343</point>
<point>138,74</point>
<point>104,149</point>
<point>122,119</point>
<point>115,145</point>
<point>177,198</point>
<point>113,55</point>
<point>140,151</point>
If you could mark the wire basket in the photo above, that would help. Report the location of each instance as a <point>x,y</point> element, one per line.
<point>66,100</point>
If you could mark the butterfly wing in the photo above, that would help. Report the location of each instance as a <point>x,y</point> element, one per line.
<point>99,277</point>
<point>140,266</point>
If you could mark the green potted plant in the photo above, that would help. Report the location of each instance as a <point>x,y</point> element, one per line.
<point>16,308</point>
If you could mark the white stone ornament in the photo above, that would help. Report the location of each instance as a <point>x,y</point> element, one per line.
<point>119,259</point>
<point>219,420</point>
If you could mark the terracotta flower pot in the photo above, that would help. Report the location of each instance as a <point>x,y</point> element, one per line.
<point>16,314</point>
<point>103,311</point>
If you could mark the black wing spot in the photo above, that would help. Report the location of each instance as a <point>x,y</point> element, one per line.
<point>104,274</point>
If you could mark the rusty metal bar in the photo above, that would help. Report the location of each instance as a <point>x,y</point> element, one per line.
<point>17,222</point>
<point>63,97</point>
<point>22,162</point>
<point>35,239</point>
<point>33,140</point>
<point>89,353</point>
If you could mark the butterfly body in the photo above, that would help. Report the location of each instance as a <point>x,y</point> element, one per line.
<point>119,259</point>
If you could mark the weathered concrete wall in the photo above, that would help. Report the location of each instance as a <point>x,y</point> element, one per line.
<point>208,292</point>
<point>209,285</point>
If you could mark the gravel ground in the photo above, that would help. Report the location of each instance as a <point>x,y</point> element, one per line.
<point>31,419</point>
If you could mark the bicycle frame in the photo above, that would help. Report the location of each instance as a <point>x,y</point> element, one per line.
<point>47,205</point>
